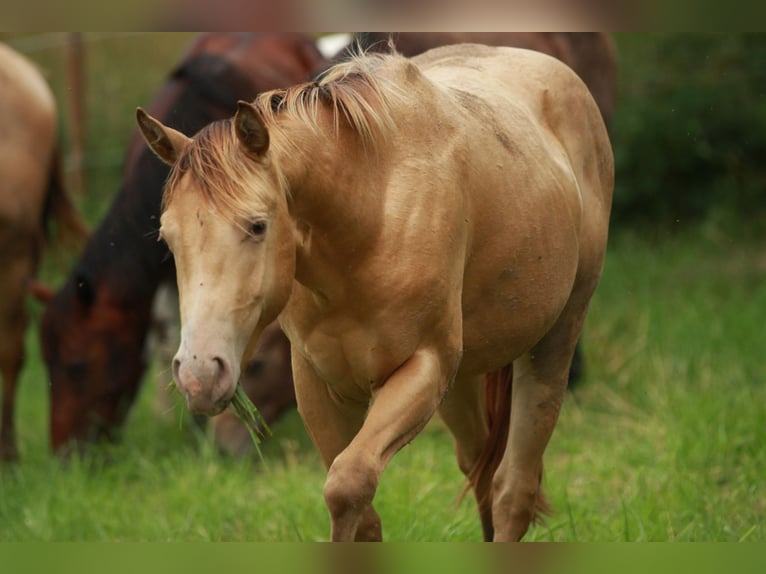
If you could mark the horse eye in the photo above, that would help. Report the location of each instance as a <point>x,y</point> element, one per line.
<point>76,371</point>
<point>258,228</point>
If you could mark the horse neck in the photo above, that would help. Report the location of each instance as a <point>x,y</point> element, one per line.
<point>124,252</point>
<point>333,184</point>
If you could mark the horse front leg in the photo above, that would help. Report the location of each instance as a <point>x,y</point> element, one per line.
<point>11,361</point>
<point>332,422</point>
<point>399,410</point>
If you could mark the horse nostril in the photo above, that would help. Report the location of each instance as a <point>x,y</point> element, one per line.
<point>176,368</point>
<point>220,366</point>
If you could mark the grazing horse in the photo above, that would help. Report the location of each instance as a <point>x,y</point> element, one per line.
<point>95,328</point>
<point>32,195</point>
<point>419,227</point>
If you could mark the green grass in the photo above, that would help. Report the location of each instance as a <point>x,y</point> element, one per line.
<point>662,442</point>
<point>665,439</point>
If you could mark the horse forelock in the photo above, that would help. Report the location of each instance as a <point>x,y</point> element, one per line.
<point>223,173</point>
<point>356,91</point>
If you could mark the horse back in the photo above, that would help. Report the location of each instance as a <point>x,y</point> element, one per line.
<point>534,107</point>
<point>28,118</point>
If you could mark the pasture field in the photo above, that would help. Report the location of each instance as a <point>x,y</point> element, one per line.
<point>663,441</point>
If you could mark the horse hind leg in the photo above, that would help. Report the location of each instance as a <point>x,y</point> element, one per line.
<point>539,386</point>
<point>8,447</point>
<point>470,411</point>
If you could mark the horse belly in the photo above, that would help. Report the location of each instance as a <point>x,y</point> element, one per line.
<point>516,302</point>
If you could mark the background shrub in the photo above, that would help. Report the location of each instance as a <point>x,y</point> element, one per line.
<point>690,127</point>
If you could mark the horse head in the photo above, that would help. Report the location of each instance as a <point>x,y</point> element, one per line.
<point>94,350</point>
<point>225,220</point>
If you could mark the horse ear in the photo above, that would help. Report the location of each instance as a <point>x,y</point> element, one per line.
<point>250,129</point>
<point>166,142</point>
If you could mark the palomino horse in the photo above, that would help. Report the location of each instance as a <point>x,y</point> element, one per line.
<point>415,225</point>
<point>591,55</point>
<point>31,195</point>
<point>95,328</point>
<point>215,71</point>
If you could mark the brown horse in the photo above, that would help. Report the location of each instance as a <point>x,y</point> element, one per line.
<point>417,226</point>
<point>32,195</point>
<point>268,381</point>
<point>95,328</point>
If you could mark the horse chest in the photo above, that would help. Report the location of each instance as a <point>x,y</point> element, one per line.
<point>352,357</point>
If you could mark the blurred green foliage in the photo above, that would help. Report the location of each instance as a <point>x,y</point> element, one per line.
<point>690,128</point>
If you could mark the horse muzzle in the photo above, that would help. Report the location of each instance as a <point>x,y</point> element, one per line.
<point>206,381</point>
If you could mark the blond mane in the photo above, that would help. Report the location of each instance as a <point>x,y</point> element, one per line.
<point>358,95</point>
<point>357,91</point>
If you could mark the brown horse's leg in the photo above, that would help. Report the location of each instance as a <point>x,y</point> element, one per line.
<point>11,361</point>
<point>332,422</point>
<point>400,409</point>
<point>8,448</point>
<point>464,413</point>
<point>539,385</point>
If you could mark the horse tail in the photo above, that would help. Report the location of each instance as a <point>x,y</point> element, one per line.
<point>498,393</point>
<point>70,229</point>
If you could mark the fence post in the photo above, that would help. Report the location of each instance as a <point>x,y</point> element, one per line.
<point>75,58</point>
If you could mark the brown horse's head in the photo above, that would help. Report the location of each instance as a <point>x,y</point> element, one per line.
<point>93,347</point>
<point>268,381</point>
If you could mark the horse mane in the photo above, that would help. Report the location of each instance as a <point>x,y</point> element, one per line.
<point>356,92</point>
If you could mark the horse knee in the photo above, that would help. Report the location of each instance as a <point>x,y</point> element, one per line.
<point>349,489</point>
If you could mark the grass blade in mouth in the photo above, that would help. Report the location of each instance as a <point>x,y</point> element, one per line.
<point>254,422</point>
<point>246,411</point>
